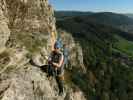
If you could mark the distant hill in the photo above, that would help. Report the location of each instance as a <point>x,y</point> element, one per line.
<point>99,28</point>
<point>105,22</point>
<point>120,21</point>
<point>129,15</point>
<point>109,18</point>
<point>115,20</point>
<point>62,14</point>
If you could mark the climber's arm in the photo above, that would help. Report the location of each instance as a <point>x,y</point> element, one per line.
<point>49,59</point>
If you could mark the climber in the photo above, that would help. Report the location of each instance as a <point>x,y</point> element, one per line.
<point>55,67</point>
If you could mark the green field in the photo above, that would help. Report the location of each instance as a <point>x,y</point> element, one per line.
<point>124,46</point>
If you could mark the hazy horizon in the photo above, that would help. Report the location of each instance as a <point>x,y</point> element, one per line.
<point>116,6</point>
<point>90,11</point>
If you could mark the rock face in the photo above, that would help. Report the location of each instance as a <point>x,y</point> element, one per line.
<point>31,15</point>
<point>4,30</point>
<point>29,84</point>
<point>27,30</point>
<point>32,84</point>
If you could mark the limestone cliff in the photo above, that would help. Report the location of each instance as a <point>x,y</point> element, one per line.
<point>4,30</point>
<point>27,31</point>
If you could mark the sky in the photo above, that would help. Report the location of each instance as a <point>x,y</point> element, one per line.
<point>119,6</point>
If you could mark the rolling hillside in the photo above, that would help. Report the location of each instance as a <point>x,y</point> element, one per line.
<point>119,21</point>
<point>107,52</point>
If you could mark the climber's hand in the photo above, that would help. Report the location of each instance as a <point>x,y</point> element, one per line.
<point>55,64</point>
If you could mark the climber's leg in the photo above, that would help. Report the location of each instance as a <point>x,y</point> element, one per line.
<point>60,82</point>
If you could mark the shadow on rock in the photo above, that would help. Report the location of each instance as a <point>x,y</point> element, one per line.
<point>43,68</point>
